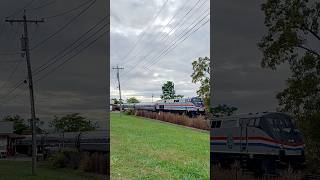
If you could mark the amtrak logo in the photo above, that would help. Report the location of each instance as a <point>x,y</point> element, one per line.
<point>230,141</point>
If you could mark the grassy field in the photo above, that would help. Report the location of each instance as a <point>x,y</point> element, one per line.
<point>19,170</point>
<point>147,149</point>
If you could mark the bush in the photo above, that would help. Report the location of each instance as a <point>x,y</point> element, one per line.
<point>199,122</point>
<point>95,162</point>
<point>129,112</point>
<point>65,158</point>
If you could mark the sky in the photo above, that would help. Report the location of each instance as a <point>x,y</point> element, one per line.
<point>79,85</point>
<point>140,33</point>
<point>239,80</point>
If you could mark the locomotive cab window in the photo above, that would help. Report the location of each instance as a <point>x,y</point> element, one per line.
<point>216,124</point>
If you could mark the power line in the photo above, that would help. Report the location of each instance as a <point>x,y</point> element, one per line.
<point>185,32</point>
<point>53,62</point>
<point>11,74</point>
<point>42,6</point>
<point>163,27</point>
<point>170,48</point>
<point>167,35</point>
<point>62,27</point>
<point>39,69</point>
<point>70,58</point>
<point>154,62</point>
<point>141,35</point>
<point>68,11</point>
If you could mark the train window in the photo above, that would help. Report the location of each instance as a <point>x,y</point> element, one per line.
<point>230,123</point>
<point>251,122</point>
<point>176,100</point>
<point>216,124</point>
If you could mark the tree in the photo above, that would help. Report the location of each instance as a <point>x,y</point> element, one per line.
<point>293,38</point>
<point>168,91</point>
<point>72,123</point>
<point>223,110</point>
<point>18,123</point>
<point>133,100</point>
<point>201,74</point>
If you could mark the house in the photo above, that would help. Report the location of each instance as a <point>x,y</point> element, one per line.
<point>8,139</point>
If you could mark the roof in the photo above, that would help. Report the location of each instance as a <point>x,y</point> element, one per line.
<point>250,115</point>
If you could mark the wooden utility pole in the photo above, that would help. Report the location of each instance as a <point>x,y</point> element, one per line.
<point>119,86</point>
<point>25,48</point>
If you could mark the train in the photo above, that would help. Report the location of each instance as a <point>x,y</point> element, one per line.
<point>189,106</point>
<point>261,142</point>
<point>89,141</point>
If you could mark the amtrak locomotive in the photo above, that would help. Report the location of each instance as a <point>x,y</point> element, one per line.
<point>189,106</point>
<point>262,142</point>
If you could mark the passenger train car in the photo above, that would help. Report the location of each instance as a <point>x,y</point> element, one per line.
<point>261,141</point>
<point>89,141</point>
<point>189,106</point>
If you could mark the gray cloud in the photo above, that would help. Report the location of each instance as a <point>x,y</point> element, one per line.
<point>239,79</point>
<point>128,20</point>
<point>80,85</point>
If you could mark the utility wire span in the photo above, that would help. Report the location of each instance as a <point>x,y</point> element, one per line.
<point>16,66</point>
<point>62,27</point>
<point>141,35</point>
<point>173,46</point>
<point>70,45</point>
<point>187,30</point>
<point>179,43</point>
<point>42,6</point>
<point>70,58</point>
<point>163,27</point>
<point>37,70</point>
<point>167,36</point>
<point>70,51</point>
<point>69,11</point>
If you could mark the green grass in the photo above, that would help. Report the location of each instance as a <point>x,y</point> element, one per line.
<point>19,170</point>
<point>146,149</point>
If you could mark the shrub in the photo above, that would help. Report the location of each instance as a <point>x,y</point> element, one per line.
<point>199,122</point>
<point>65,158</point>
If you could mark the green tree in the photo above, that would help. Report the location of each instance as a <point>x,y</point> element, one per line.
<point>18,123</point>
<point>71,123</point>
<point>201,74</point>
<point>133,100</point>
<point>293,38</point>
<point>168,91</point>
<point>223,110</point>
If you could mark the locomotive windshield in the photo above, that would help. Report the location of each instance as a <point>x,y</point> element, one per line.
<point>280,126</point>
<point>197,102</point>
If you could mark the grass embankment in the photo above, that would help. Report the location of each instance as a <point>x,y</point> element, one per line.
<point>146,149</point>
<point>20,170</point>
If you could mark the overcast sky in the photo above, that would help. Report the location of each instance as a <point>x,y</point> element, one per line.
<point>239,79</point>
<point>145,28</point>
<point>79,85</point>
